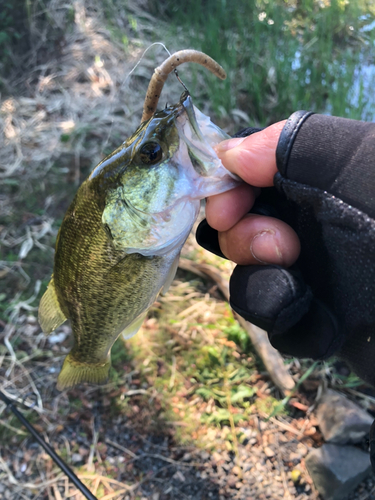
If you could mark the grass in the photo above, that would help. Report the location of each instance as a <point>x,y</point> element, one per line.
<point>283,55</point>
<point>184,353</point>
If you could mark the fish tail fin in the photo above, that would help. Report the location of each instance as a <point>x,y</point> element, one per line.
<point>74,372</point>
<point>50,314</point>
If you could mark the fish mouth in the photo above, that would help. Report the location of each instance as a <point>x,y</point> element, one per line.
<point>200,136</point>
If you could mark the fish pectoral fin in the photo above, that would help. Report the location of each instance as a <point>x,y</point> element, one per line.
<point>50,315</point>
<point>171,275</point>
<point>74,372</point>
<point>133,328</point>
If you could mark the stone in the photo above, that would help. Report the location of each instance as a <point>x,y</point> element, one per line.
<point>340,420</point>
<point>76,457</point>
<point>337,470</point>
<point>236,470</point>
<point>269,452</point>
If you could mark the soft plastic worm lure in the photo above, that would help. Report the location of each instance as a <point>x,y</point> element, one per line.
<point>161,74</point>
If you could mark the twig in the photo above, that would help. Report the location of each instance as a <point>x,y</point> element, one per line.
<point>13,429</point>
<point>9,331</point>
<point>121,448</point>
<point>281,468</point>
<point>115,493</point>
<point>11,478</point>
<point>173,373</point>
<point>108,480</point>
<point>56,492</point>
<point>150,455</point>
<point>95,435</point>
<point>134,392</point>
<point>96,486</point>
<point>232,425</point>
<point>44,484</point>
<point>284,426</point>
<point>15,399</point>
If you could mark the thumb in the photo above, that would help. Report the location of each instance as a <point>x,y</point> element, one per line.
<point>252,158</point>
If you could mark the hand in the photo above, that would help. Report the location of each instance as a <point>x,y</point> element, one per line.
<point>313,294</point>
<point>249,238</point>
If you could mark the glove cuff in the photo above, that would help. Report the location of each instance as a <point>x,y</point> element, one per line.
<point>287,138</point>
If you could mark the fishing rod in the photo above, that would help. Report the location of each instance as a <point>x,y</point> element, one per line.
<point>51,452</point>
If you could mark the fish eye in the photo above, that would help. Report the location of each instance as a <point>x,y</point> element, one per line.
<point>151,153</point>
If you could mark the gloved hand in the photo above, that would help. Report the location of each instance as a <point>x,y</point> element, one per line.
<point>318,299</point>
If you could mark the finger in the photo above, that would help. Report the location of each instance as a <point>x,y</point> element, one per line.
<point>258,239</point>
<point>253,158</point>
<point>224,210</point>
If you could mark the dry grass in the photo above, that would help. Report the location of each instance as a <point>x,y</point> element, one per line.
<point>81,93</point>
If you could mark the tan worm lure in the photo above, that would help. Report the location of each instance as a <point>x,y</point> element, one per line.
<point>161,74</point>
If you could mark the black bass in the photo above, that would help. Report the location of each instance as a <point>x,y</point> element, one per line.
<point>120,240</point>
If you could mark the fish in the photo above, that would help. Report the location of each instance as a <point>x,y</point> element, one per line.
<point>119,243</point>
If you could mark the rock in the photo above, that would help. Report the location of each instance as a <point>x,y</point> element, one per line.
<point>337,470</point>
<point>180,477</point>
<point>236,470</point>
<point>76,457</point>
<point>340,420</point>
<point>269,452</point>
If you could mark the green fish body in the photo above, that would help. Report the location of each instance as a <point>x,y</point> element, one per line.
<point>120,240</point>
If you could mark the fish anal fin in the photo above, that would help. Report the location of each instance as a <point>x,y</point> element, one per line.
<point>74,372</point>
<point>133,328</point>
<point>50,314</point>
<point>171,275</point>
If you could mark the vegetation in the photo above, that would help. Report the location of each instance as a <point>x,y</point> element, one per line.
<point>24,27</point>
<point>280,55</point>
<point>283,55</point>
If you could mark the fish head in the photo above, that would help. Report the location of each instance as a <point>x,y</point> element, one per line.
<point>158,177</point>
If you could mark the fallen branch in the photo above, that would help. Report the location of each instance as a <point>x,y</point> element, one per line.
<point>271,358</point>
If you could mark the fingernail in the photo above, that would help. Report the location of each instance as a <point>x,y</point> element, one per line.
<point>228,144</point>
<point>265,248</point>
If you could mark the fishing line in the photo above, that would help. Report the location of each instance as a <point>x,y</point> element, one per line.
<point>128,76</point>
<point>142,56</point>
<point>48,448</point>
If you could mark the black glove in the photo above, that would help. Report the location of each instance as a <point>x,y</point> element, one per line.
<point>325,190</point>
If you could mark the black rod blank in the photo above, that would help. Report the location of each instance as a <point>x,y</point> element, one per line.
<point>51,452</point>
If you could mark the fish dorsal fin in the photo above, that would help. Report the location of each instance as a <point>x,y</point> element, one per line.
<point>171,274</point>
<point>133,328</point>
<point>50,314</point>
